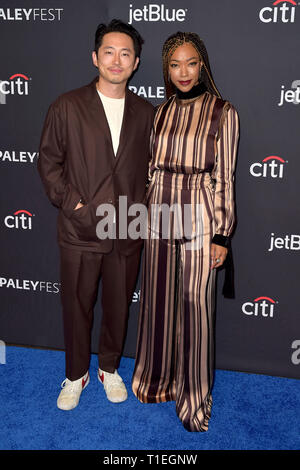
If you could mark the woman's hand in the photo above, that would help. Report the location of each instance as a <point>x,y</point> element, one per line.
<point>218,255</point>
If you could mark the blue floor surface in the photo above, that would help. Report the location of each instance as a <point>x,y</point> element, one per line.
<point>250,412</point>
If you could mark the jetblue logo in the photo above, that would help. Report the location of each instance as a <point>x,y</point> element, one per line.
<point>136,296</point>
<point>154,12</point>
<point>292,95</point>
<point>288,242</point>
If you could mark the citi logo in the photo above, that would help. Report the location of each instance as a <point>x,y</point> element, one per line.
<point>21,219</point>
<point>154,12</point>
<point>283,11</point>
<point>16,85</point>
<point>261,306</point>
<point>292,95</point>
<point>272,166</point>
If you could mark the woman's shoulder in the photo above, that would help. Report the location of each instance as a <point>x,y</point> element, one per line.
<point>166,102</point>
<point>223,103</point>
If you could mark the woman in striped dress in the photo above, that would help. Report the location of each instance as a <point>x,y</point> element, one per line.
<point>194,144</point>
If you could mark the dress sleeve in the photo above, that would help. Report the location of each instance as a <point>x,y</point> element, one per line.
<point>51,163</point>
<point>223,173</point>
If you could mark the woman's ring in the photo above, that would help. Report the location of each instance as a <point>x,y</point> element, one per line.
<point>218,260</point>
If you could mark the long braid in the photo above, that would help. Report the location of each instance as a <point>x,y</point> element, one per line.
<point>176,40</point>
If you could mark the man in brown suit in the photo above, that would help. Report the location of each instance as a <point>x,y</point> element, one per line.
<point>95,148</point>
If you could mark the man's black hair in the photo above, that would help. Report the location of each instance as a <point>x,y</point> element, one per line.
<point>118,26</point>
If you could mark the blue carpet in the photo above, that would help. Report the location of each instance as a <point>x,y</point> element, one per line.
<point>250,412</point>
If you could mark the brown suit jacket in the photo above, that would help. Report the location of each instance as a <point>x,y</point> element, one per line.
<point>76,160</point>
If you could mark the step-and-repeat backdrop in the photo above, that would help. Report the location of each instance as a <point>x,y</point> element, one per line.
<point>254,53</point>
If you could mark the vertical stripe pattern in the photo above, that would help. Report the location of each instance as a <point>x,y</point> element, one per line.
<point>193,159</point>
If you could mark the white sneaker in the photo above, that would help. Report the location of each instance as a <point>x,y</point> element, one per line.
<point>113,385</point>
<point>71,391</point>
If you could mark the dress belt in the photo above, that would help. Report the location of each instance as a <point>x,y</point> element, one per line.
<point>181,180</point>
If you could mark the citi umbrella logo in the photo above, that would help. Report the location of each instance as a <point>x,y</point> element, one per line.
<point>260,307</point>
<point>281,11</point>
<point>17,84</point>
<point>270,167</point>
<point>21,219</point>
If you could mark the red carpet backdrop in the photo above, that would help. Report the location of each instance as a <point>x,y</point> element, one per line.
<point>254,53</point>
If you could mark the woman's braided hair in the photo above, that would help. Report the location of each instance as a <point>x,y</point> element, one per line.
<point>176,40</point>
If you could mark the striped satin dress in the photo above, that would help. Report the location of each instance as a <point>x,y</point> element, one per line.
<point>194,144</point>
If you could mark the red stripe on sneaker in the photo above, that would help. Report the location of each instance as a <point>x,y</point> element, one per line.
<point>84,381</point>
<point>101,377</point>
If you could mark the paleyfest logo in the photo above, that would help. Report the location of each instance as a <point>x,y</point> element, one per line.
<point>29,285</point>
<point>148,91</point>
<point>20,219</point>
<point>261,306</point>
<point>50,287</point>
<point>18,156</point>
<point>283,11</point>
<point>31,14</point>
<point>272,166</point>
<point>17,84</point>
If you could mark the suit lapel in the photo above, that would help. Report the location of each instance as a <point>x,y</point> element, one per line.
<point>128,119</point>
<point>96,108</point>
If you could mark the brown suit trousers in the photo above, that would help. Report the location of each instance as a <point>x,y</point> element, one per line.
<point>80,273</point>
<point>76,160</point>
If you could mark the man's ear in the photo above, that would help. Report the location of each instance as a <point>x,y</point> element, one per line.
<point>137,60</point>
<point>95,59</point>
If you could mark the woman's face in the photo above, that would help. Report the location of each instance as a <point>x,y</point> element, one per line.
<point>184,67</point>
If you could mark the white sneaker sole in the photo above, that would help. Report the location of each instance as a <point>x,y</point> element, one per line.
<point>67,407</point>
<point>113,400</point>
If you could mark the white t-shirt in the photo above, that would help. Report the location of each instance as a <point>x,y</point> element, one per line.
<point>114,110</point>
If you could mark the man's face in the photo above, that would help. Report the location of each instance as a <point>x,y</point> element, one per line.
<point>116,58</point>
